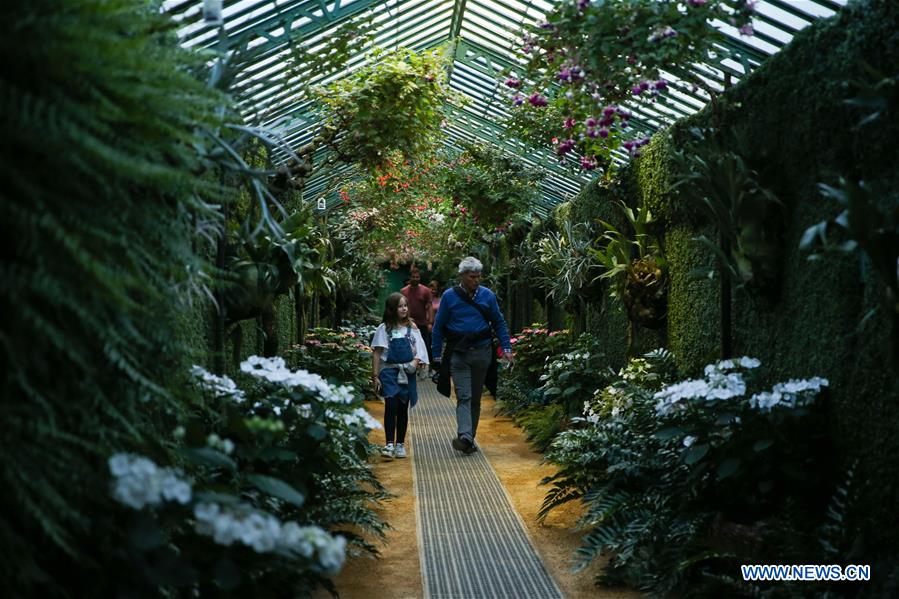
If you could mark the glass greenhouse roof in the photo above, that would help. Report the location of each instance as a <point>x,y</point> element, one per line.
<point>485,38</point>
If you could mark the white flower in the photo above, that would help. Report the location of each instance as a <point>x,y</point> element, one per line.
<point>265,533</point>
<point>139,482</point>
<point>219,386</point>
<point>792,394</point>
<point>689,440</point>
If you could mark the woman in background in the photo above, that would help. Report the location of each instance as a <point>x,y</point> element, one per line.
<point>436,293</point>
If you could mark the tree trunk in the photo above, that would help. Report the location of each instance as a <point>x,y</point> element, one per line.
<point>218,322</point>
<point>300,305</point>
<point>270,332</point>
<point>725,302</point>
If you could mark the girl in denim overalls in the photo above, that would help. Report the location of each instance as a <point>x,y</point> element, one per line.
<point>398,349</point>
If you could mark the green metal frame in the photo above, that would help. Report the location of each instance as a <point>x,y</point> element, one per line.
<point>265,30</point>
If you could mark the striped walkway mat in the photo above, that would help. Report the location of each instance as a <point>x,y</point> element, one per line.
<point>473,544</point>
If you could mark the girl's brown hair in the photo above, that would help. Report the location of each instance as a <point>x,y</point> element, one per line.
<point>391,312</point>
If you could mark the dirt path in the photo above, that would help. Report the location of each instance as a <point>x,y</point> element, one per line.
<point>398,573</point>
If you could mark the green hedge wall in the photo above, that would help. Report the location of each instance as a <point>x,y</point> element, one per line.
<point>801,132</point>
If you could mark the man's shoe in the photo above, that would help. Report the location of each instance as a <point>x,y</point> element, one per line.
<point>400,451</point>
<point>471,449</point>
<point>461,444</point>
<point>387,451</point>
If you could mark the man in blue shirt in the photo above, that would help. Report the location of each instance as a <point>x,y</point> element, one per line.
<point>467,319</point>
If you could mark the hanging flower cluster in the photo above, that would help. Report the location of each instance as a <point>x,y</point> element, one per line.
<point>589,57</point>
<point>439,205</point>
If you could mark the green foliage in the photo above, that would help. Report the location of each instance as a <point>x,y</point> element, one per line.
<point>541,424</point>
<point>263,265</point>
<point>493,185</point>
<point>602,53</point>
<point>394,104</point>
<point>514,395</point>
<point>572,377</point>
<point>717,178</point>
<point>636,267</point>
<point>566,262</point>
<point>339,356</point>
<point>275,462</point>
<point>532,347</point>
<point>864,226</point>
<point>106,132</point>
<point>689,478</point>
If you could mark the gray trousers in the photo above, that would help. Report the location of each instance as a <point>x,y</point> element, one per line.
<point>469,369</point>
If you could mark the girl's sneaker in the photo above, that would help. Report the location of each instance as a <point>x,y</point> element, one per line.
<point>400,450</point>
<point>387,451</point>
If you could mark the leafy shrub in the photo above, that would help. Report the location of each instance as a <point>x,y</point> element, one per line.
<point>573,377</point>
<point>339,356</point>
<point>692,479</point>
<point>532,348</point>
<point>271,466</point>
<point>542,423</point>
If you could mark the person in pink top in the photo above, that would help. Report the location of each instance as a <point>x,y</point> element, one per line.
<point>419,298</point>
<point>436,293</point>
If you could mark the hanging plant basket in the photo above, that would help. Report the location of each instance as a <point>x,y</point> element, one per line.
<point>646,293</point>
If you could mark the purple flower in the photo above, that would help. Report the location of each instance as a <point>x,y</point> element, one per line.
<point>603,132</point>
<point>513,83</point>
<point>747,29</point>
<point>565,146</point>
<point>606,121</point>
<point>636,90</point>
<point>591,122</point>
<point>564,75</point>
<point>587,164</point>
<point>660,84</point>
<point>628,145</point>
<point>643,141</point>
<point>608,111</point>
<point>582,4</point>
<point>517,100</point>
<point>537,100</point>
<point>644,85</point>
<point>591,133</point>
<point>569,123</point>
<point>696,2</point>
<point>545,25</point>
<point>631,59</point>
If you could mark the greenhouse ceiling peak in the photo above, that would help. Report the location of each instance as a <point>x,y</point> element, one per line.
<point>486,38</point>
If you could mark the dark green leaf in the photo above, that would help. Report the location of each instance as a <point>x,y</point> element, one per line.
<point>728,467</point>
<point>277,488</point>
<point>206,456</point>
<point>695,453</point>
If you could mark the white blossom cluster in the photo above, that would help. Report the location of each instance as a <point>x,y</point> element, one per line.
<point>358,417</point>
<point>219,386</point>
<point>561,364</point>
<point>140,482</point>
<point>719,384</point>
<point>223,445</point>
<point>792,394</point>
<point>275,370</point>
<point>264,533</point>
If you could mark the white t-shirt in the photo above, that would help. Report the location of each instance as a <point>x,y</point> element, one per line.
<point>380,340</point>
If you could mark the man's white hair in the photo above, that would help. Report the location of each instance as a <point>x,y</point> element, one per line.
<point>470,264</point>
